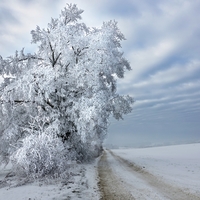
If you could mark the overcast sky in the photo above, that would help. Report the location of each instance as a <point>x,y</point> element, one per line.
<point>163,47</point>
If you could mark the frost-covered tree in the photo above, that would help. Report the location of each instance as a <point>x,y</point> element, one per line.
<point>71,80</point>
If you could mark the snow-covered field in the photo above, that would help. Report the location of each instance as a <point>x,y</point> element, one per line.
<point>143,173</point>
<point>178,165</point>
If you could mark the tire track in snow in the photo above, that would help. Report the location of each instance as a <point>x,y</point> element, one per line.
<point>110,185</point>
<point>166,190</point>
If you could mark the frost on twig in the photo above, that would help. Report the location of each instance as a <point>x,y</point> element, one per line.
<point>56,103</point>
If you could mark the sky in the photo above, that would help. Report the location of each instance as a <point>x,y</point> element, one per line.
<point>162,45</point>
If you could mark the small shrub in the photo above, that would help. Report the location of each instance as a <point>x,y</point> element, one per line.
<point>40,155</point>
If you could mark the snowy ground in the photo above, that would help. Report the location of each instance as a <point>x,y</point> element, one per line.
<point>169,166</point>
<point>169,172</point>
<point>82,184</point>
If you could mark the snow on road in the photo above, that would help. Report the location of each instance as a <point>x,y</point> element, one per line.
<point>158,173</point>
<point>178,165</point>
<point>110,184</point>
<point>170,172</point>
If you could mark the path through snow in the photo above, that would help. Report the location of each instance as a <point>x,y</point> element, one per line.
<point>122,179</point>
<point>159,173</point>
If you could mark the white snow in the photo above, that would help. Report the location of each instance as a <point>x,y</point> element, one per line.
<point>178,165</point>
<point>81,185</point>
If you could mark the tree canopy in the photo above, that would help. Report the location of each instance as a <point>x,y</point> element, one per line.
<point>66,90</point>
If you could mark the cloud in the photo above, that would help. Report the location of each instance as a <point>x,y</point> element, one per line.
<point>171,75</point>
<point>19,18</point>
<point>162,45</point>
<point>7,15</point>
<point>143,60</point>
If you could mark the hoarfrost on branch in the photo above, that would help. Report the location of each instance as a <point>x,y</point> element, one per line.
<point>69,84</point>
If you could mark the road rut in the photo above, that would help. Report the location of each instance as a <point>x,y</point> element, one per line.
<point>120,179</point>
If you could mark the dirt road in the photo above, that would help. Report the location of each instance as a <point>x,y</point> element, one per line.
<point>121,180</point>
